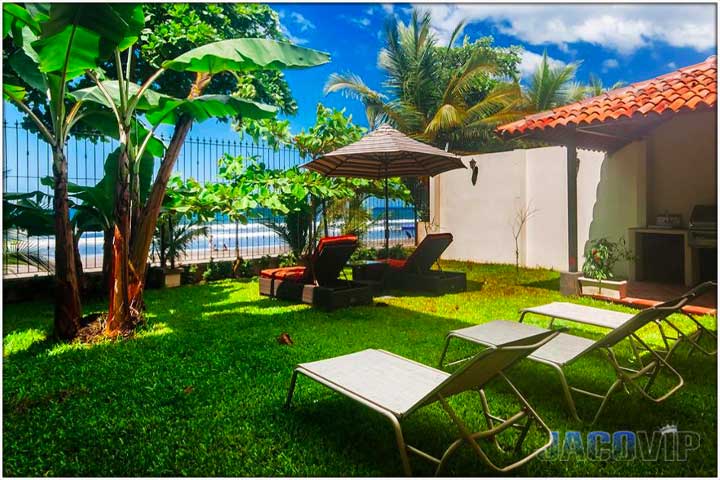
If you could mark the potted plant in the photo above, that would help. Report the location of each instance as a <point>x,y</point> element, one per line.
<point>600,259</point>
<point>173,235</point>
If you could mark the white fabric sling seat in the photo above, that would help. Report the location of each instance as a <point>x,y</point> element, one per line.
<point>396,387</point>
<point>609,319</point>
<point>565,349</point>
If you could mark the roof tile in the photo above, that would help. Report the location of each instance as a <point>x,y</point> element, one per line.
<point>685,88</point>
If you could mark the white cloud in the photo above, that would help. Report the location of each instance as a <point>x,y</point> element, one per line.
<point>363,22</point>
<point>623,28</point>
<point>530,60</point>
<point>388,7</point>
<point>301,21</point>
<point>609,64</point>
<point>672,66</point>
<point>292,38</point>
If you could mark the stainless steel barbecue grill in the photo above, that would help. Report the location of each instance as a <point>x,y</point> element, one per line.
<point>703,227</point>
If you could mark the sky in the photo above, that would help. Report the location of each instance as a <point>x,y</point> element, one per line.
<point>628,43</point>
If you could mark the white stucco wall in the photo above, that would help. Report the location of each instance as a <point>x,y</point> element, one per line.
<point>546,187</point>
<point>679,173</point>
<point>480,216</point>
<point>672,169</point>
<point>611,198</point>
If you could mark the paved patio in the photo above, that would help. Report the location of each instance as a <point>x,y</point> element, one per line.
<point>647,294</point>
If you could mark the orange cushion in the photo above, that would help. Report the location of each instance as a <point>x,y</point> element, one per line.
<point>395,264</point>
<point>342,239</point>
<point>294,274</point>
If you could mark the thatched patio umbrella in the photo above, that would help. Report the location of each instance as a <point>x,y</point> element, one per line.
<point>385,153</point>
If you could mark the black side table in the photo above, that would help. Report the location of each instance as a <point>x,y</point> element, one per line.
<point>370,272</point>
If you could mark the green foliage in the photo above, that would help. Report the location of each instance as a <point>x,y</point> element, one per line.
<point>397,252</point>
<point>202,388</point>
<point>29,212</point>
<point>332,130</point>
<point>439,94</point>
<point>275,133</point>
<point>363,253</point>
<point>551,86</point>
<point>74,39</point>
<point>173,235</point>
<point>218,271</point>
<point>189,275</point>
<point>245,55</point>
<point>20,250</point>
<point>51,47</point>
<point>601,255</point>
<point>174,28</point>
<point>287,260</point>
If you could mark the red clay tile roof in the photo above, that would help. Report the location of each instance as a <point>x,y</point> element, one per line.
<point>687,89</point>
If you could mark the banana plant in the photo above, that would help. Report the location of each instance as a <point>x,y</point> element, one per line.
<point>125,98</point>
<point>52,46</point>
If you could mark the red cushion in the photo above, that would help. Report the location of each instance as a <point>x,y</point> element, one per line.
<point>339,240</point>
<point>394,263</point>
<point>294,274</point>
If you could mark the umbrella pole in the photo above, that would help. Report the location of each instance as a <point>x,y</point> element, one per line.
<point>387,216</point>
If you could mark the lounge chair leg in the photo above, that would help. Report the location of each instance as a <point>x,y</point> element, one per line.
<point>402,447</point>
<point>445,349</point>
<point>488,418</point>
<point>610,391</point>
<point>568,393</point>
<point>291,390</point>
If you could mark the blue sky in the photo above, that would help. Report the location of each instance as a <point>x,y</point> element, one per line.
<point>616,42</point>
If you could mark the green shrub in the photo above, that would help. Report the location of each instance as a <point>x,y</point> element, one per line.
<point>397,252</point>
<point>288,260</point>
<point>363,253</point>
<point>601,256</point>
<point>218,271</point>
<point>189,275</point>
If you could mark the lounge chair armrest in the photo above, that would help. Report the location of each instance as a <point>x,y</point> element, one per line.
<point>535,345</point>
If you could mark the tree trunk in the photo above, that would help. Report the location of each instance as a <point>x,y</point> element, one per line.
<point>149,216</point>
<point>119,319</point>
<point>82,281</point>
<point>68,309</point>
<point>107,258</point>
<point>145,226</point>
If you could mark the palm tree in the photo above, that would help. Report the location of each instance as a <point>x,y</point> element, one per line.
<point>596,87</point>
<point>420,100</point>
<point>552,87</point>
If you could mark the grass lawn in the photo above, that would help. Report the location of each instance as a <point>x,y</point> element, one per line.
<point>200,390</point>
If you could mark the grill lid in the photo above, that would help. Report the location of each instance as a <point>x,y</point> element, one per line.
<point>704,217</point>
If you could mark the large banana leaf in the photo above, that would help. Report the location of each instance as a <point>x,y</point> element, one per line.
<point>149,101</point>
<point>161,108</point>
<point>29,212</point>
<point>13,92</point>
<point>211,106</point>
<point>24,67</point>
<point>104,121</point>
<point>15,18</point>
<point>78,37</point>
<point>244,54</point>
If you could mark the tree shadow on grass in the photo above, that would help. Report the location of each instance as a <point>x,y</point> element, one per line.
<point>200,392</point>
<point>549,284</point>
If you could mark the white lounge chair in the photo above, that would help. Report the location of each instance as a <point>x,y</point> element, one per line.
<point>565,349</point>
<point>600,317</point>
<point>397,387</point>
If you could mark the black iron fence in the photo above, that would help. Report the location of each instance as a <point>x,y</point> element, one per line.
<point>27,159</point>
